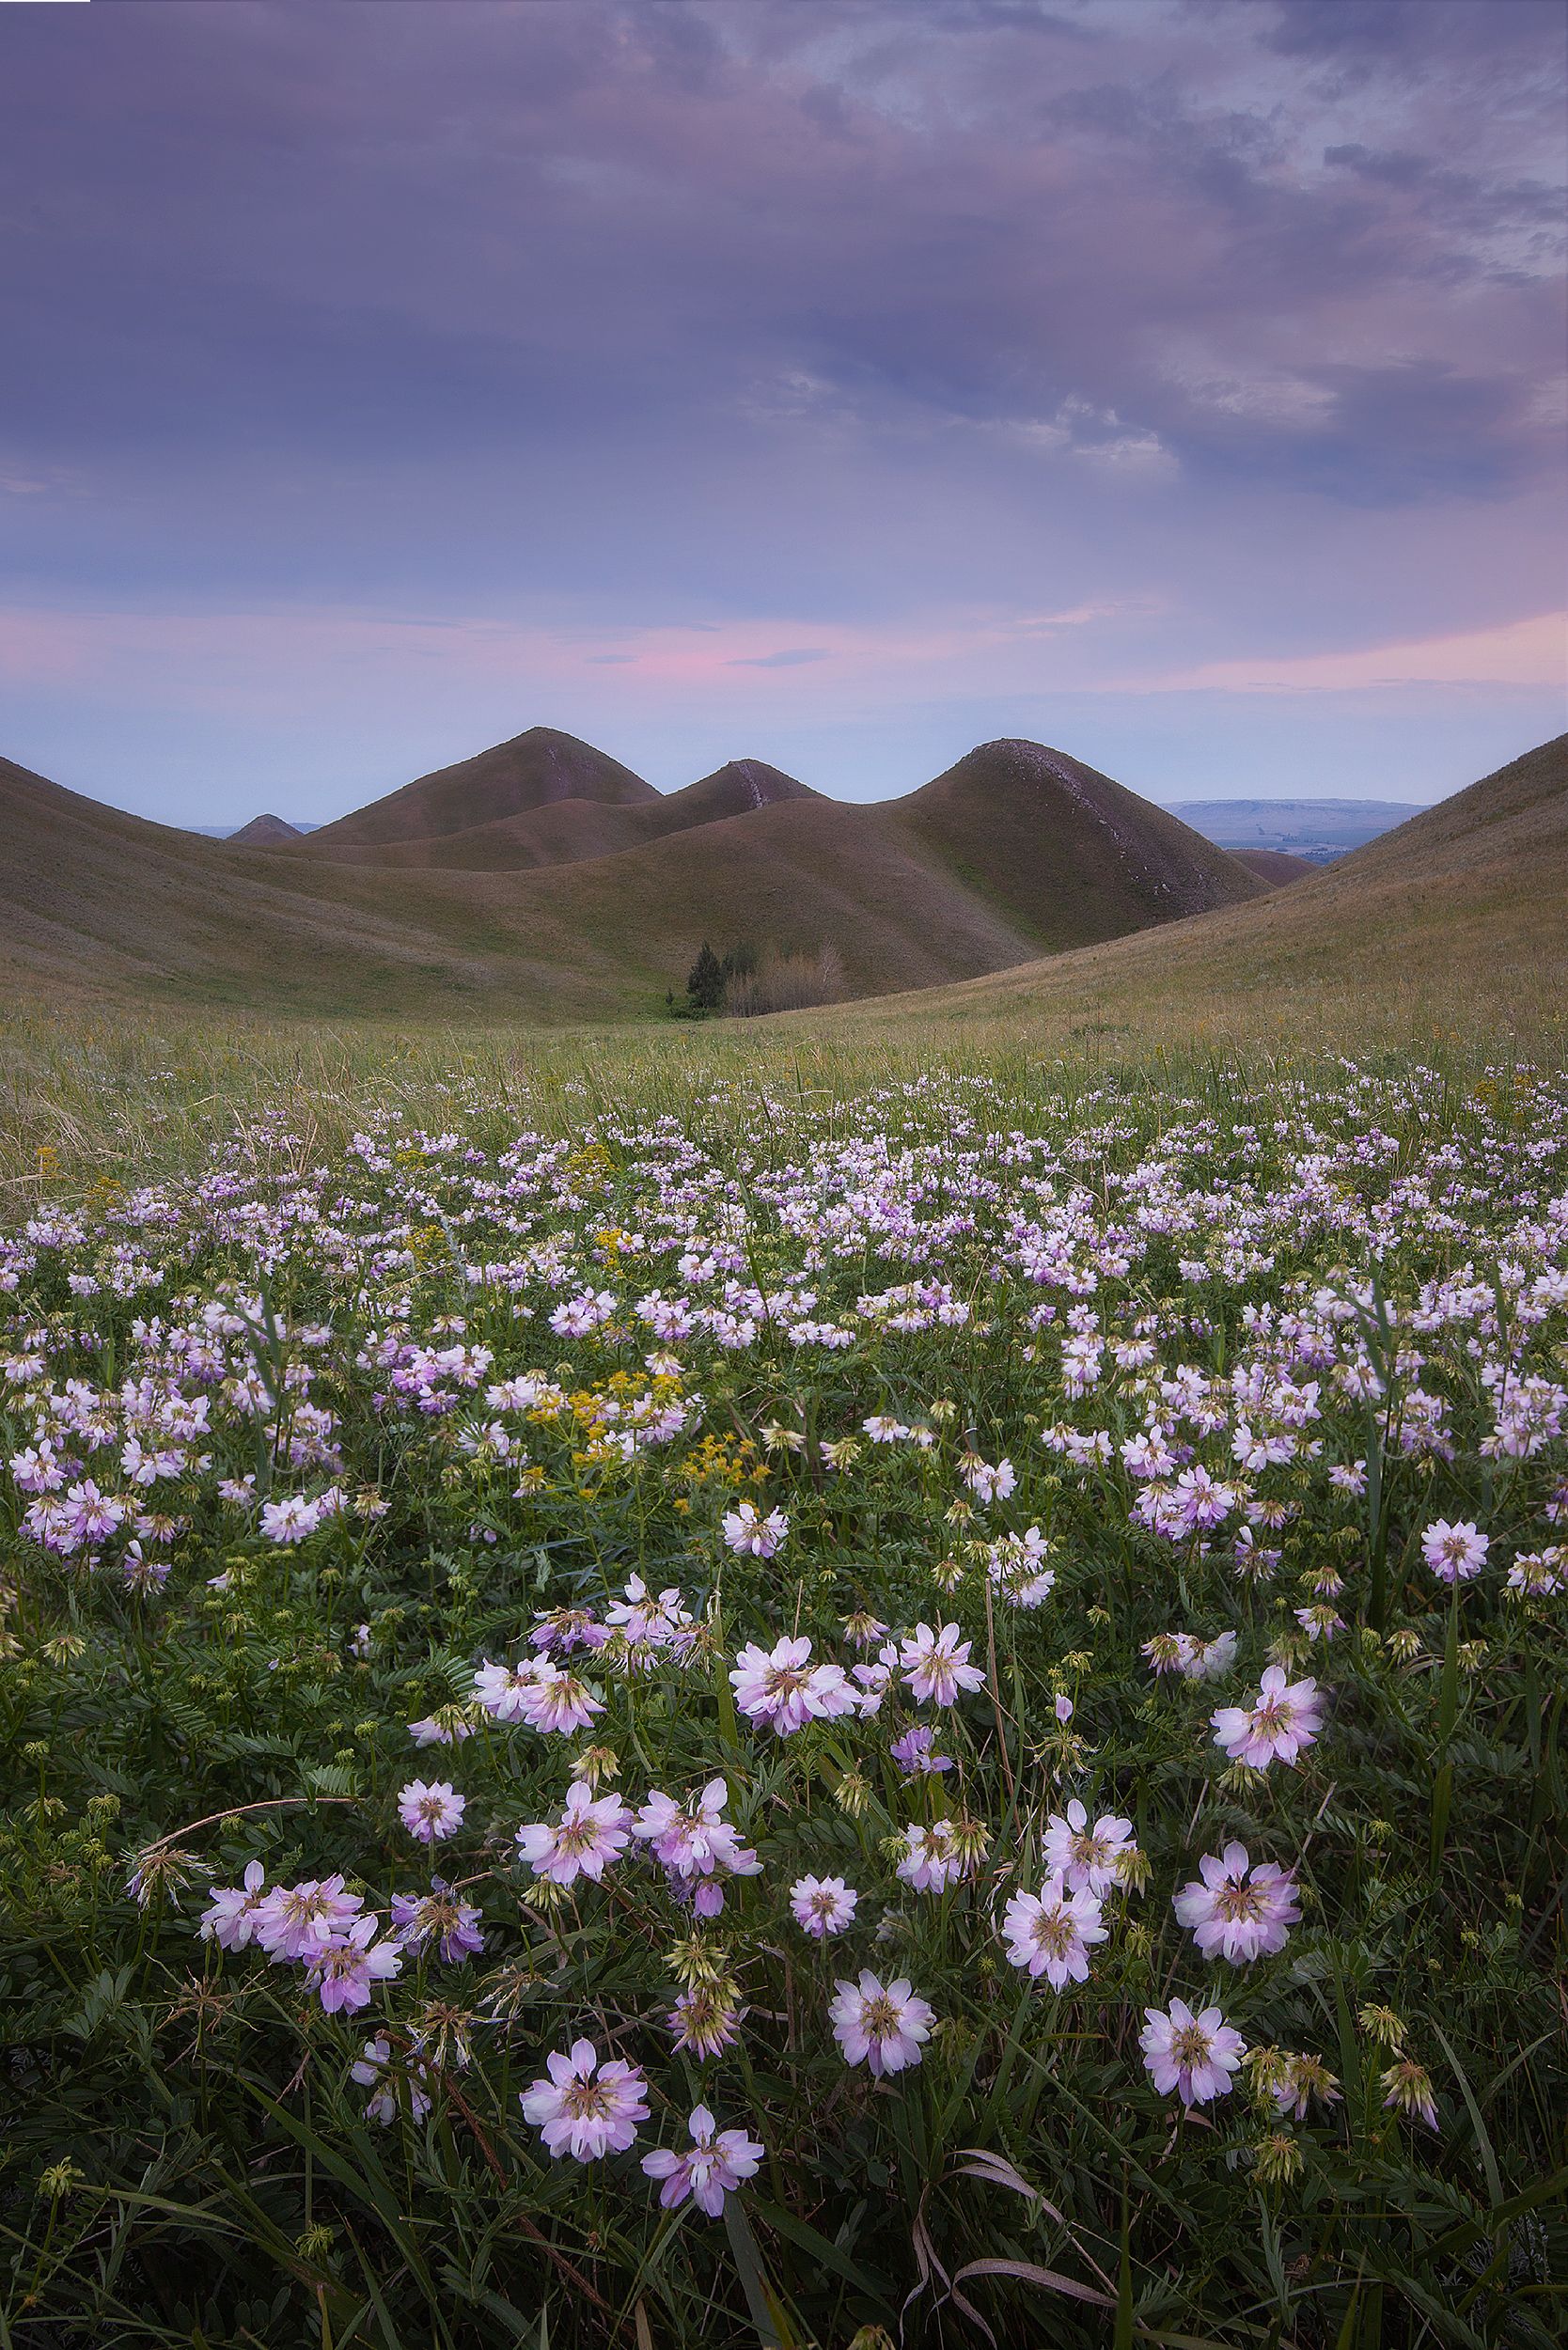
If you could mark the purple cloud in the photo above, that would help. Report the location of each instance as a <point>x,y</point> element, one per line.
<point>609,318</point>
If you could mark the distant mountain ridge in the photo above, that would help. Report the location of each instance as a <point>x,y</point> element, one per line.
<point>1318,830</point>
<point>536,769</point>
<point>544,879</point>
<point>265,831</point>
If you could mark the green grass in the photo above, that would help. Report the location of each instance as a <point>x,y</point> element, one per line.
<point>186,2159</point>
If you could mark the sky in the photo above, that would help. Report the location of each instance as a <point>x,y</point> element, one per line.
<point>1176,382</point>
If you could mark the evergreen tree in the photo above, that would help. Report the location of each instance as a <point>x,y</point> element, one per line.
<point>705,981</point>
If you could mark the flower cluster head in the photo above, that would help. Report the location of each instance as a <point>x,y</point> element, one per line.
<point>437,1917</point>
<point>372,2070</point>
<point>711,2167</point>
<point>1409,2090</point>
<point>647,1622</point>
<point>1242,1909</point>
<point>591,1832</point>
<point>229,1919</point>
<point>781,1688</point>
<point>1283,1719</point>
<point>696,1845</point>
<point>751,1534</point>
<point>822,1906</point>
<point>933,1857</point>
<point>1190,1658</point>
<point>537,1692</point>
<point>585,2109</point>
<point>1193,2055</point>
<point>431,1812</point>
<point>317,1925</point>
<point>881,2025</point>
<point>706,2017</point>
<point>1090,1860</point>
<point>345,1970</point>
<point>915,1753</point>
<point>1455,1554</point>
<point>936,1665</point>
<point>1050,1933</point>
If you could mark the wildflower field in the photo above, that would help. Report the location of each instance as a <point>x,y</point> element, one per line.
<point>933,1712</point>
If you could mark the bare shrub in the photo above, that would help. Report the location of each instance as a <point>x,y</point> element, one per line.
<point>787,983</point>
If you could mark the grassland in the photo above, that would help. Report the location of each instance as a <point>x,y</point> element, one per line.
<point>204,1261</point>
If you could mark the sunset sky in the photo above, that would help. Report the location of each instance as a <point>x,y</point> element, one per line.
<point>1178,382</point>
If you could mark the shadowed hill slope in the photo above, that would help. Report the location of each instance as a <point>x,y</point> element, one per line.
<point>1015,850</point>
<point>97,899</point>
<point>534,770</point>
<point>1275,866</point>
<point>264,832</point>
<point>568,832</point>
<point>1456,920</point>
<point>1063,851</point>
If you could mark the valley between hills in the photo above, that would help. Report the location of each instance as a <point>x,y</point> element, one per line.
<point>543,883</point>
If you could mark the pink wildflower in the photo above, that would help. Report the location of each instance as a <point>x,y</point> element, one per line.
<point>431,1812</point>
<point>822,1906</point>
<point>588,1835</point>
<point>936,1665</point>
<point>1089,1858</point>
<point>585,2109</point>
<point>230,1920</point>
<point>1284,1718</point>
<point>1193,2055</point>
<point>752,1535</point>
<point>711,2167</point>
<point>881,2025</point>
<point>345,1968</point>
<point>1455,1554</point>
<point>1242,1911</point>
<point>1049,1933</point>
<point>782,1688</point>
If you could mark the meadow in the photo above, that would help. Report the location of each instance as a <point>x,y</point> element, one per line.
<point>795,1689</point>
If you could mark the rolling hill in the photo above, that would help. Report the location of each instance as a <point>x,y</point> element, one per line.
<point>1454,922</point>
<point>534,770</point>
<point>543,881</point>
<point>1275,866</point>
<point>570,831</point>
<point>264,832</point>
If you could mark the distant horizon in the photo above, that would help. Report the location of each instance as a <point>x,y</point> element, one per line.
<point>1182,385</point>
<point>223,827</point>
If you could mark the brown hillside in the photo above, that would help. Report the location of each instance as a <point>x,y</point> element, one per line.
<point>1459,917</point>
<point>1063,851</point>
<point>1015,849</point>
<point>1275,866</point>
<point>264,832</point>
<point>97,899</point>
<point>568,832</point>
<point>534,770</point>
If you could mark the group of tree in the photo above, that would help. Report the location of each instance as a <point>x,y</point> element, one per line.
<point>709,980</point>
<point>743,984</point>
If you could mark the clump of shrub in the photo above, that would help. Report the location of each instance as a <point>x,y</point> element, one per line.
<point>787,983</point>
<point>743,984</point>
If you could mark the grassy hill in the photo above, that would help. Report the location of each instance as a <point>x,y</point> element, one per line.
<point>1275,866</point>
<point>1454,924</point>
<point>570,831</point>
<point>542,881</point>
<point>265,831</point>
<point>1060,850</point>
<point>533,770</point>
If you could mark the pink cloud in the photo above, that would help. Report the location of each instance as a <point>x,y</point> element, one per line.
<point>1533,652</point>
